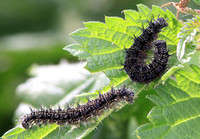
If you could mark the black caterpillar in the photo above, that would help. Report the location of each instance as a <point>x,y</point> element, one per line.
<point>81,113</point>
<point>135,64</point>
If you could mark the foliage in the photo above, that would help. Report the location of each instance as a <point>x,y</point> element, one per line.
<point>102,45</point>
<point>177,111</point>
<point>197,1</point>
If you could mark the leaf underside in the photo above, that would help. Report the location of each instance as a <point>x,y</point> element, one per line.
<point>186,35</point>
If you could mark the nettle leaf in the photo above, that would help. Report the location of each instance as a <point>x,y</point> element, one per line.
<point>102,44</point>
<point>177,113</point>
<point>187,34</point>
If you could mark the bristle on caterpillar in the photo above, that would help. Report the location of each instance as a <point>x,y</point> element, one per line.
<point>80,113</point>
<point>135,65</point>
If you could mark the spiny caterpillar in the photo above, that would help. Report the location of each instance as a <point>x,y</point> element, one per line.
<point>81,113</point>
<point>135,64</point>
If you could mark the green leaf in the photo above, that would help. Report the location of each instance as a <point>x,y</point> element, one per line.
<point>177,112</point>
<point>102,44</point>
<point>197,1</point>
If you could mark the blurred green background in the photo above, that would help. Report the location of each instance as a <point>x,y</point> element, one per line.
<point>36,31</point>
